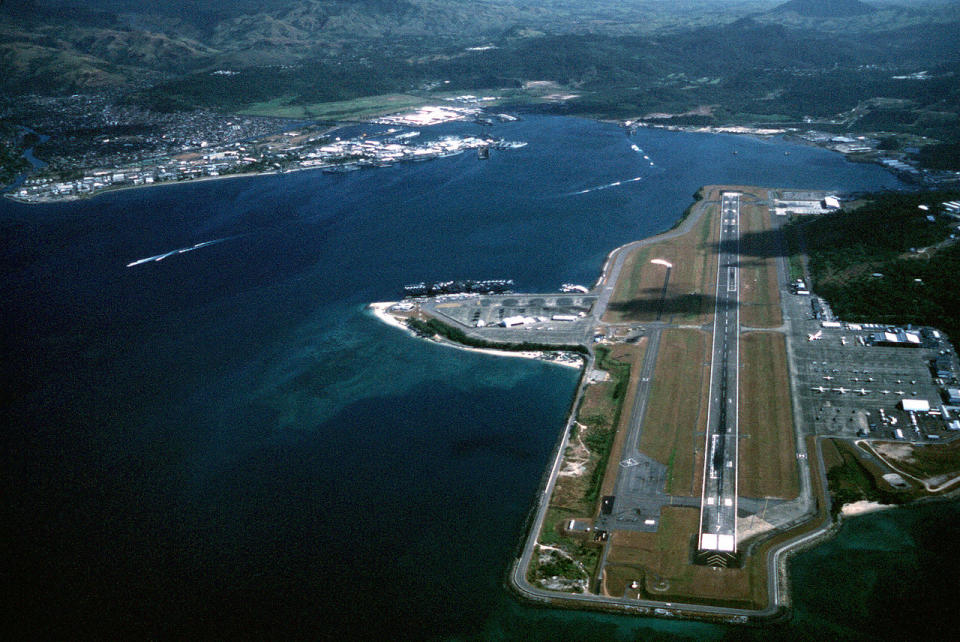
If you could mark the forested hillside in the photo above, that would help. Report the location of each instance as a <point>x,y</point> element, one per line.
<point>886,262</point>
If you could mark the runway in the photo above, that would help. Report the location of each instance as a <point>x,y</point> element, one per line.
<point>718,506</point>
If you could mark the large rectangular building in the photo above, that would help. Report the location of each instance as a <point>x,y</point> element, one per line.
<point>896,339</point>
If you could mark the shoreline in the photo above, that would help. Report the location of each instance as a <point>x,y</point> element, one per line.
<point>379,310</point>
<point>812,529</point>
<point>7,193</point>
<point>121,188</point>
<point>733,130</point>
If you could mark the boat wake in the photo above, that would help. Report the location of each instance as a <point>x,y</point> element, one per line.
<point>606,186</point>
<point>640,151</point>
<point>183,250</point>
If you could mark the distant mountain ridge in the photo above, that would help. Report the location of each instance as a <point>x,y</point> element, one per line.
<point>825,8</point>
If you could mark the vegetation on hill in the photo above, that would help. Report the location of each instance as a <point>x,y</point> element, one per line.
<point>886,262</point>
<point>702,62</point>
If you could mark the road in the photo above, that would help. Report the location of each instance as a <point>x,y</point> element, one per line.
<point>633,477</point>
<point>639,489</point>
<point>718,507</point>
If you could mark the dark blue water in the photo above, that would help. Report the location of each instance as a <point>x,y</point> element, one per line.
<point>224,442</point>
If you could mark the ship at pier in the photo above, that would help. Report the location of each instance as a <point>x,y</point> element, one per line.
<point>465,286</point>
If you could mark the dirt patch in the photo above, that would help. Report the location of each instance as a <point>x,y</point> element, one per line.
<point>900,452</point>
<point>751,526</point>
<point>576,458</point>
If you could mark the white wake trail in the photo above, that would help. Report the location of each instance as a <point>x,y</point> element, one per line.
<point>606,186</point>
<point>183,250</point>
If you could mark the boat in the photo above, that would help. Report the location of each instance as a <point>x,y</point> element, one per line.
<point>341,169</point>
<point>510,144</point>
<point>488,286</point>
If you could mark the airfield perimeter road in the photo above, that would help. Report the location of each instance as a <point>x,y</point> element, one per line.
<point>628,475</point>
<point>718,507</point>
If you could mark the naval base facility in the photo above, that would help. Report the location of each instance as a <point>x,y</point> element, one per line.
<point>716,392</point>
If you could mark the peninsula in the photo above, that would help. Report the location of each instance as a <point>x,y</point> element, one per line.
<point>723,418</point>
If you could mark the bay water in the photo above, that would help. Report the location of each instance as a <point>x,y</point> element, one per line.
<point>207,434</point>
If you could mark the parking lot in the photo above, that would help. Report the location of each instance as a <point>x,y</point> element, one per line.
<point>557,318</point>
<point>492,310</point>
<point>849,388</point>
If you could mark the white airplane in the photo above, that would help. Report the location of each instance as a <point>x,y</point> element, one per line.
<point>886,392</point>
<point>819,389</point>
<point>828,377</point>
<point>815,336</point>
<point>899,392</point>
<point>870,379</point>
<point>862,391</point>
<point>841,390</point>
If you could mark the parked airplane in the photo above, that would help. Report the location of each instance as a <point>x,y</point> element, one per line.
<point>862,391</point>
<point>886,392</point>
<point>841,390</point>
<point>815,336</point>
<point>828,377</point>
<point>819,389</point>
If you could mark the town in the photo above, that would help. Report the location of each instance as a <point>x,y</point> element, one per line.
<point>91,144</point>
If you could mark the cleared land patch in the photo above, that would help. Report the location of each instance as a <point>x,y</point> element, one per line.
<point>937,465</point>
<point>339,110</point>
<point>768,452</point>
<point>676,412</point>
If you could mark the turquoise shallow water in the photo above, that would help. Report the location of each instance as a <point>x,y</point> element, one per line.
<point>225,442</point>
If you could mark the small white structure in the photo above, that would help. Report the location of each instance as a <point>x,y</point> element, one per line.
<point>512,322</point>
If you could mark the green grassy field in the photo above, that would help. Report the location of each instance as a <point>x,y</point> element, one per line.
<point>689,295</point>
<point>358,108</point>
<point>676,412</point>
<point>768,453</point>
<point>759,287</point>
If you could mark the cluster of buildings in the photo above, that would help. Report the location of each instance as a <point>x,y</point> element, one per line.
<point>287,151</point>
<point>186,166</point>
<point>98,131</point>
<point>869,147</point>
<point>346,155</point>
